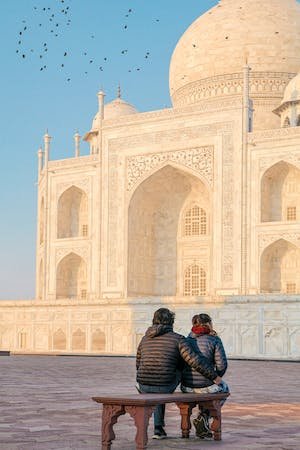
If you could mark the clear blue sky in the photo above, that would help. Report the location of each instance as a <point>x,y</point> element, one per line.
<point>33,99</point>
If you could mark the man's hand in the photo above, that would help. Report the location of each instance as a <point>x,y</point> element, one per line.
<point>218,380</point>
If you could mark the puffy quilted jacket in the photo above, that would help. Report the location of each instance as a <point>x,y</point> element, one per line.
<point>161,352</point>
<point>212,348</point>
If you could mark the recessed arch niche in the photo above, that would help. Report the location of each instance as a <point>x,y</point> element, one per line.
<point>280,268</point>
<point>280,191</point>
<point>72,213</point>
<point>155,243</point>
<point>71,277</point>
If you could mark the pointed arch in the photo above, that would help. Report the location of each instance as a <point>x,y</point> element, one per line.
<point>280,268</point>
<point>155,252</point>
<point>280,189</point>
<point>286,122</point>
<point>59,340</point>
<point>71,277</point>
<point>157,169</point>
<point>72,213</point>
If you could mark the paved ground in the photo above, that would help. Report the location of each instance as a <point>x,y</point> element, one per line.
<point>45,403</point>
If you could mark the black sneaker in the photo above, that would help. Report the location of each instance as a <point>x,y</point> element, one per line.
<point>159,433</point>
<point>206,436</point>
<point>202,427</point>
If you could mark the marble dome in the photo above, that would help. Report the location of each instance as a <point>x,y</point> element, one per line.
<point>115,109</point>
<point>266,33</point>
<point>292,91</point>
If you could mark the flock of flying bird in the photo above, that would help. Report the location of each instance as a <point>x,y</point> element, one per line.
<point>56,20</point>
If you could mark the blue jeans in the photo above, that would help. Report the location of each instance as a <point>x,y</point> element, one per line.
<point>159,412</point>
<point>213,389</point>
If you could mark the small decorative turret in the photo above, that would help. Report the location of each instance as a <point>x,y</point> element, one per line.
<point>77,138</point>
<point>119,91</point>
<point>40,160</point>
<point>101,96</point>
<point>47,139</point>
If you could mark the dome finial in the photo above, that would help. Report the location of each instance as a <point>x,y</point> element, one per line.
<point>119,91</point>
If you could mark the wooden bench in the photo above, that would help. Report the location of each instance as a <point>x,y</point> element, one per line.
<point>141,406</point>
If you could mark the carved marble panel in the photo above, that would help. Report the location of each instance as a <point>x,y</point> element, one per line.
<point>73,162</point>
<point>227,209</point>
<point>41,337</point>
<point>294,341</point>
<point>168,138</point>
<point>275,340</point>
<point>274,134</point>
<point>199,159</point>
<point>60,253</point>
<point>81,183</point>
<point>113,220</point>
<point>291,158</point>
<point>265,240</point>
<point>249,339</point>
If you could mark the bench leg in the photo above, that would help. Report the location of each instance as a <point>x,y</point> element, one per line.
<point>215,412</point>
<point>185,412</point>
<point>141,416</point>
<point>110,416</point>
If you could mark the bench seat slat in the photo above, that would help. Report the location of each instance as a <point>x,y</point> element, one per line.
<point>156,399</point>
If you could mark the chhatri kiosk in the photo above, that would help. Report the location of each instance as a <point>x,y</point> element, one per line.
<point>195,207</point>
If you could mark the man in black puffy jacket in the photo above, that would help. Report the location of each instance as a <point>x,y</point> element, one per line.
<point>160,359</point>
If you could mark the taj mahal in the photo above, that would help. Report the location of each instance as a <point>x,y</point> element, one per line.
<point>195,207</point>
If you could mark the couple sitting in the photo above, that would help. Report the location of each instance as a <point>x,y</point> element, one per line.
<point>165,359</point>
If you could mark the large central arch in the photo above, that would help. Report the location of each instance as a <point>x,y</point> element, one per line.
<point>279,268</point>
<point>154,217</point>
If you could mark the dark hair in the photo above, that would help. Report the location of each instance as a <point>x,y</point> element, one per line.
<point>163,316</point>
<point>201,319</point>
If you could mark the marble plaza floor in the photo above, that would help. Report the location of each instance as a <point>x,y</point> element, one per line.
<point>45,403</point>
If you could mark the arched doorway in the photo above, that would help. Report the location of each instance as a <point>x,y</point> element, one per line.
<point>71,277</point>
<point>279,268</point>
<point>59,340</point>
<point>157,247</point>
<point>280,189</point>
<point>72,214</point>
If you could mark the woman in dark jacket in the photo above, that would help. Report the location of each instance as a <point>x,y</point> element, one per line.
<point>203,338</point>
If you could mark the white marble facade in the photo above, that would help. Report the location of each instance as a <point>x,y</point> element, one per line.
<point>195,207</point>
